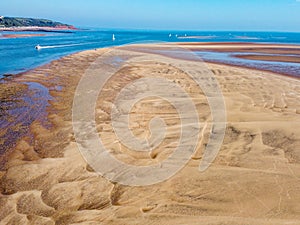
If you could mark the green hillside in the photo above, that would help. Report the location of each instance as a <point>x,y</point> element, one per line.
<point>24,22</point>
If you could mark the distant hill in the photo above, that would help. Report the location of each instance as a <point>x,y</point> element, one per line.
<point>7,22</point>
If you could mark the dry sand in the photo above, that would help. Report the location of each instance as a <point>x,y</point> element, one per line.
<point>254,180</point>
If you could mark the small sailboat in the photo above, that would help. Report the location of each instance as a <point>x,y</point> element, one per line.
<point>113,37</point>
<point>37,47</point>
<point>170,35</point>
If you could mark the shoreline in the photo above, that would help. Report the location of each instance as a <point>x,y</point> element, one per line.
<point>9,76</point>
<point>41,29</point>
<point>260,147</point>
<point>225,47</point>
<point>219,47</point>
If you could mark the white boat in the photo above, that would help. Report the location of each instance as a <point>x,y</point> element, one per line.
<point>170,35</point>
<point>38,47</point>
<point>113,37</point>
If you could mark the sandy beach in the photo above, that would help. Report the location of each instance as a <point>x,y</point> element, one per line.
<point>254,179</point>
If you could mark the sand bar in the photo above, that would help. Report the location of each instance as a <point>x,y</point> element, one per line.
<point>279,58</point>
<point>254,179</point>
<point>21,35</point>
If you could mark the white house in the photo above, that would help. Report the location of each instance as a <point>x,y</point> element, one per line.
<point>1,17</point>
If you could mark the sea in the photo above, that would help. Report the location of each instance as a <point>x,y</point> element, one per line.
<point>19,54</point>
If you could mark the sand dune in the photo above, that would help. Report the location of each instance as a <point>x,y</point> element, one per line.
<point>254,179</point>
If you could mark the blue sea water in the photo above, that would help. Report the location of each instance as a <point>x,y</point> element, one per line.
<point>19,54</point>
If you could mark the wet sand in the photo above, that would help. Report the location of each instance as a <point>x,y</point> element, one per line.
<point>254,179</point>
<point>277,52</point>
<point>236,45</point>
<point>292,51</point>
<point>255,52</point>
<point>278,58</point>
<point>20,35</point>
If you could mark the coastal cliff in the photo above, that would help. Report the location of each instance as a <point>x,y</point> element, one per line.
<point>16,23</point>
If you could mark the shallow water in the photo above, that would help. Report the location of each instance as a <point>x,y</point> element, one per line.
<point>20,111</point>
<point>228,58</point>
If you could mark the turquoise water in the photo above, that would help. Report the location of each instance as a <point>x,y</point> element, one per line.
<point>18,54</point>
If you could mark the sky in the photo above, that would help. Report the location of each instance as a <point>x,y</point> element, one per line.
<point>212,15</point>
